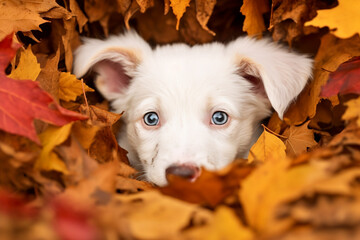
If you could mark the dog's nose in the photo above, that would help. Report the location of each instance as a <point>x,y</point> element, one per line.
<point>188,171</point>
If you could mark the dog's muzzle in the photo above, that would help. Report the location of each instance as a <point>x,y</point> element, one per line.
<point>187,170</point>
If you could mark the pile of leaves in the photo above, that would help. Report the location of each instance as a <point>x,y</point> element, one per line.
<point>63,175</point>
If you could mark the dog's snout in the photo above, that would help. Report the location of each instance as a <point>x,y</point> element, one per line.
<point>188,171</point>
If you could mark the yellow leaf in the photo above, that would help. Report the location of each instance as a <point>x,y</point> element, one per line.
<point>179,8</point>
<point>85,133</point>
<point>165,216</point>
<point>224,226</point>
<point>28,67</point>
<point>268,146</point>
<point>70,87</point>
<point>253,11</point>
<point>52,137</point>
<point>345,18</point>
<point>353,110</point>
<point>272,184</point>
<point>299,139</point>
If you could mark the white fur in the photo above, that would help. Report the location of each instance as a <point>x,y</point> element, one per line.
<point>185,86</point>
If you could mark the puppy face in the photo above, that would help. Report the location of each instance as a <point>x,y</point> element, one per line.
<point>191,107</point>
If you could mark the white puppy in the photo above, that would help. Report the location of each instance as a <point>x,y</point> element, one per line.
<point>187,107</point>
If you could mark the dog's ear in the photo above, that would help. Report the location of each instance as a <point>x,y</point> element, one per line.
<point>114,60</point>
<point>275,72</point>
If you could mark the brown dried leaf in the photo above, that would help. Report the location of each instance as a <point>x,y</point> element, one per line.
<point>81,19</point>
<point>299,139</point>
<point>204,9</point>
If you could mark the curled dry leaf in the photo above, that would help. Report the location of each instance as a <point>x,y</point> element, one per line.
<point>287,18</point>
<point>204,9</point>
<point>211,188</point>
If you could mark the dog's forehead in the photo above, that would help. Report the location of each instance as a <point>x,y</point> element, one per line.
<point>183,66</point>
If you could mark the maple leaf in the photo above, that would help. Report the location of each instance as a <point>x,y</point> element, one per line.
<point>345,18</point>
<point>344,80</point>
<point>298,139</point>
<point>22,101</point>
<point>23,15</point>
<point>253,11</point>
<point>70,87</point>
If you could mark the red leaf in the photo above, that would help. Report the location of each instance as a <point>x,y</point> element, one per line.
<point>14,205</point>
<point>72,221</point>
<point>344,80</point>
<point>22,101</point>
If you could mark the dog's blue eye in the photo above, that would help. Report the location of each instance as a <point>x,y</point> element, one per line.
<point>151,119</point>
<point>219,118</point>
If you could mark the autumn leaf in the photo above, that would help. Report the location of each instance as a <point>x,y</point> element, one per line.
<point>298,139</point>
<point>332,52</point>
<point>28,67</point>
<point>272,184</point>
<point>85,133</point>
<point>253,11</point>
<point>179,8</point>
<point>344,18</point>
<point>344,80</point>
<point>145,4</point>
<point>70,87</point>
<point>268,146</point>
<point>211,188</point>
<point>23,101</point>
<point>48,160</point>
<point>82,185</point>
<point>224,225</point>
<point>353,110</point>
<point>204,9</point>
<point>23,16</point>
<point>160,211</point>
